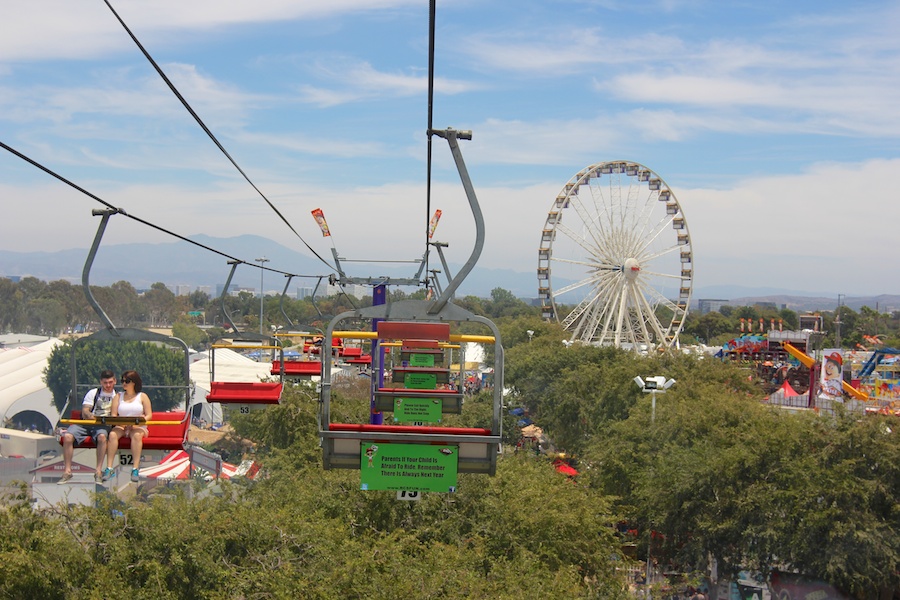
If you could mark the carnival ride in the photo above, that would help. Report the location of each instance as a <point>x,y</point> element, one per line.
<point>419,392</point>
<point>616,245</point>
<point>809,362</point>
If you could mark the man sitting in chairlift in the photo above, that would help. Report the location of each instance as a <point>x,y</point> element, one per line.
<point>96,403</point>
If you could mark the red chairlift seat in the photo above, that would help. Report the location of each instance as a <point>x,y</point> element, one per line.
<point>167,431</point>
<point>298,368</point>
<point>242,392</point>
<point>412,429</point>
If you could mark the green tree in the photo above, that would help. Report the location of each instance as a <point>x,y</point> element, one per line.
<point>120,303</point>
<point>10,305</point>
<point>160,367</point>
<point>160,305</point>
<point>46,315</point>
<point>709,327</point>
<point>198,300</point>
<point>718,473</point>
<point>190,334</point>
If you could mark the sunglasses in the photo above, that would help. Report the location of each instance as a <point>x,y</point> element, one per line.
<point>126,380</point>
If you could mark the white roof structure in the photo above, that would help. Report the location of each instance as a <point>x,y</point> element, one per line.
<point>22,386</point>
<point>230,366</point>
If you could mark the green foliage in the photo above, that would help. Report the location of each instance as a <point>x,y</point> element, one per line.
<point>190,334</point>
<point>718,472</point>
<point>301,532</point>
<point>159,367</point>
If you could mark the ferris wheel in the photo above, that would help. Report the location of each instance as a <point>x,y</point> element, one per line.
<point>615,265</point>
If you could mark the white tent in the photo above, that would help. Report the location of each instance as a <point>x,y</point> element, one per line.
<point>230,366</point>
<point>22,386</point>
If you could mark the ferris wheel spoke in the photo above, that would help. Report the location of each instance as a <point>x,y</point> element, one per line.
<point>574,286</point>
<point>579,317</point>
<point>584,263</point>
<point>652,318</point>
<point>645,272</point>
<point>661,300</point>
<point>578,239</point>
<point>591,222</point>
<point>652,236</point>
<point>609,313</point>
<point>602,207</point>
<point>584,318</point>
<point>601,310</point>
<point>675,248</point>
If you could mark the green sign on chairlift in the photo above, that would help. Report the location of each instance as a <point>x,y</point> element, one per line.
<point>420,381</point>
<point>409,467</point>
<point>417,410</point>
<point>421,360</point>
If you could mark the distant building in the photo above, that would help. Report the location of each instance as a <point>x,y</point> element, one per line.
<point>182,290</point>
<point>711,305</point>
<point>304,292</point>
<point>232,289</point>
<point>771,305</point>
<point>812,322</point>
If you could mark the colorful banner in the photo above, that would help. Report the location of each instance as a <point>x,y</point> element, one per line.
<point>319,216</point>
<point>410,467</point>
<point>832,374</point>
<point>434,222</point>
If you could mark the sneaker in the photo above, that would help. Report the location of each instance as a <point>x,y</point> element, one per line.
<point>135,476</point>
<point>107,473</point>
<point>98,478</point>
<point>64,479</point>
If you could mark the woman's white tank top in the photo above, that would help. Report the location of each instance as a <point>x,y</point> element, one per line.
<point>132,408</point>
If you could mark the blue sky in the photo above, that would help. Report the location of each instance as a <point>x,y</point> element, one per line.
<point>774,123</point>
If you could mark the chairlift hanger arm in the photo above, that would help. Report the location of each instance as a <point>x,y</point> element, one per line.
<point>86,272</point>
<point>439,246</point>
<point>452,135</point>
<point>225,314</point>
<point>281,302</point>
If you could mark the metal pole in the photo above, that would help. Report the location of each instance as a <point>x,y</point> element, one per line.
<point>262,261</point>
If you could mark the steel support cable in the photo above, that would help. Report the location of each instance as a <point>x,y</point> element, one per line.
<point>120,211</point>
<point>210,133</point>
<point>431,20</point>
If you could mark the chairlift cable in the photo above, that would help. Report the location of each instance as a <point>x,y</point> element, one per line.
<point>431,22</point>
<point>135,218</point>
<point>209,133</point>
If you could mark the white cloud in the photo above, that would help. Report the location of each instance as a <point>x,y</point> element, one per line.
<point>556,51</point>
<point>356,81</point>
<point>89,30</point>
<point>800,231</point>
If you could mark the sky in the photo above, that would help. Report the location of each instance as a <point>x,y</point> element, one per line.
<point>775,124</point>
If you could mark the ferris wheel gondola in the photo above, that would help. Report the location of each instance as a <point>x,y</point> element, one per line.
<point>615,264</point>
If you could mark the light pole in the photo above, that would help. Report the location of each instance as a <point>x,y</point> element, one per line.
<point>262,261</point>
<point>654,384</point>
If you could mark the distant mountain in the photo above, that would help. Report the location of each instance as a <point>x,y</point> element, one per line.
<point>181,263</point>
<point>883,303</point>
